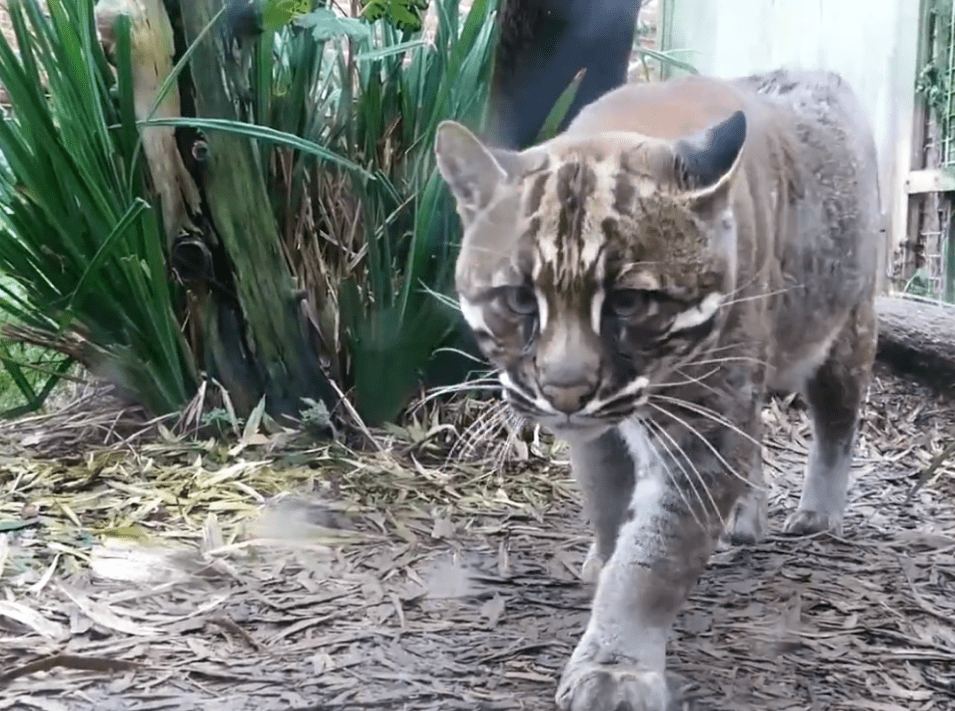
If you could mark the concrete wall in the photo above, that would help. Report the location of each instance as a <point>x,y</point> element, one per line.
<point>872,43</point>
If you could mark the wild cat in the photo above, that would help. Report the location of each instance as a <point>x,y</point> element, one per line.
<point>639,282</point>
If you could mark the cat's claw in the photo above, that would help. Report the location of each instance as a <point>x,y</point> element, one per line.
<point>590,686</point>
<point>803,523</point>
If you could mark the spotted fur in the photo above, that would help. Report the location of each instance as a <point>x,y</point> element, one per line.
<point>640,281</point>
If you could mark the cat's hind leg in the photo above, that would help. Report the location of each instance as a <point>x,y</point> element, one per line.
<point>835,394</point>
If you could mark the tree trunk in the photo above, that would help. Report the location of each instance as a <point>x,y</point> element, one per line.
<point>543,44</point>
<point>917,338</point>
<point>254,334</point>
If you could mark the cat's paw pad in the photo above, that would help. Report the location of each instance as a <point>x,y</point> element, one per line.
<point>803,523</point>
<point>592,565</point>
<point>589,686</point>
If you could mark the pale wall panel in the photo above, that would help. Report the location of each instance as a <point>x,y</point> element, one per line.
<point>872,43</point>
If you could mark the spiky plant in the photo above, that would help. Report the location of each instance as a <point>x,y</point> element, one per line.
<point>370,239</point>
<point>334,146</point>
<point>82,251</point>
<point>372,251</point>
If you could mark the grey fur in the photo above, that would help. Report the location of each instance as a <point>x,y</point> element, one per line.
<point>669,303</point>
<point>605,471</point>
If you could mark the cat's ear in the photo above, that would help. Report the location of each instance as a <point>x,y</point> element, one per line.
<point>470,168</point>
<point>707,162</point>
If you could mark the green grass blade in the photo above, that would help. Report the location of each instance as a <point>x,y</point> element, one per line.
<point>557,114</point>
<point>132,214</point>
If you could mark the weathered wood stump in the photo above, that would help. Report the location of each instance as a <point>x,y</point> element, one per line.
<point>917,338</point>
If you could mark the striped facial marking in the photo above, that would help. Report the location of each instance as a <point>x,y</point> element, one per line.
<point>590,278</point>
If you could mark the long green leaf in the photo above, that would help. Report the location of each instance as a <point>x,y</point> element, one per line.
<point>261,133</point>
<point>132,214</point>
<point>74,235</point>
<point>561,107</point>
<point>34,403</point>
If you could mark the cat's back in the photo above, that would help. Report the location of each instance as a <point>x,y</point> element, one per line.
<point>806,203</point>
<point>827,246</point>
<point>669,110</point>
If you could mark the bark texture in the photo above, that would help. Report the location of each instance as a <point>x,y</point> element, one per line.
<point>917,338</point>
<point>248,321</point>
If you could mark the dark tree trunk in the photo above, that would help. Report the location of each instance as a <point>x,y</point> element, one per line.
<point>917,338</point>
<point>543,44</point>
<point>247,319</point>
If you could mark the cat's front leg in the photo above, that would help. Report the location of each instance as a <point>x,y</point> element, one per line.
<point>665,539</point>
<point>605,471</point>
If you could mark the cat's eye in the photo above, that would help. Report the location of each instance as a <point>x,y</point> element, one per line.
<point>624,303</point>
<point>521,300</point>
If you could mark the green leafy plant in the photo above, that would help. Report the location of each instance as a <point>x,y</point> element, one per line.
<point>77,235</point>
<point>403,15</point>
<point>933,85</point>
<point>29,375</point>
<point>400,322</point>
<point>382,241</point>
<point>920,285</point>
<point>344,117</point>
<point>659,62</point>
<point>551,124</point>
<point>276,13</point>
<point>932,81</point>
<point>325,25</point>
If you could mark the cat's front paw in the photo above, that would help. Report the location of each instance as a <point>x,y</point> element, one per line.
<point>747,523</point>
<point>803,522</point>
<point>592,686</point>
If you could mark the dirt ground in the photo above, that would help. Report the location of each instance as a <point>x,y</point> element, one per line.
<point>478,607</point>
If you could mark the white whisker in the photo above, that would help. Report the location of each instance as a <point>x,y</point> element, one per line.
<point>660,431</point>
<point>708,413</point>
<point>706,386</point>
<point>727,359</point>
<point>741,288</point>
<point>513,424</point>
<point>477,432</point>
<point>755,297</point>
<point>468,386</point>
<point>689,379</point>
<point>735,345</point>
<point>704,440</point>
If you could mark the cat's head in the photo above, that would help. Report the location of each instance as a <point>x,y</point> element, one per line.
<point>592,268</point>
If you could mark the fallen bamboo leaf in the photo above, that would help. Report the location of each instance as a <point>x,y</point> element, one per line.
<point>29,617</point>
<point>104,616</point>
<point>68,661</point>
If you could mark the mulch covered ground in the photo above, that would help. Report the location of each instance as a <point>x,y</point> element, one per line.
<point>179,575</point>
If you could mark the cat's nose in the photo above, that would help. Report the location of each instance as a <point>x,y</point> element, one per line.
<point>569,397</point>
